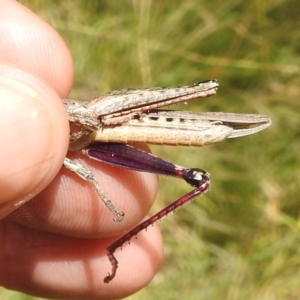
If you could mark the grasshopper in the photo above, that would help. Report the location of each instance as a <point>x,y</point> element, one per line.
<point>103,127</point>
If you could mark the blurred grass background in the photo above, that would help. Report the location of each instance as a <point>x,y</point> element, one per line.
<point>242,239</point>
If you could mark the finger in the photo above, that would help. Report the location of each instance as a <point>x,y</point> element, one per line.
<point>34,137</point>
<point>71,206</point>
<point>30,44</point>
<point>53,266</point>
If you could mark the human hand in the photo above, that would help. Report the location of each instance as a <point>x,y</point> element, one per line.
<point>57,229</point>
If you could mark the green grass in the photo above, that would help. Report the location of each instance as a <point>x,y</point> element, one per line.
<point>241,240</point>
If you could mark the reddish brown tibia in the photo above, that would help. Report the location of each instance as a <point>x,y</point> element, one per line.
<point>158,216</point>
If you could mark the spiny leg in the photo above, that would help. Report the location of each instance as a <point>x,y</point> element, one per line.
<point>204,183</point>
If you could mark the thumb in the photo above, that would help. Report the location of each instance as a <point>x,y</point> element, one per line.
<point>34,137</point>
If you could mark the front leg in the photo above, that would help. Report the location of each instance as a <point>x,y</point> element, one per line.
<point>87,175</point>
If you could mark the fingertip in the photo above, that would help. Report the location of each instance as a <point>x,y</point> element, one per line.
<point>34,136</point>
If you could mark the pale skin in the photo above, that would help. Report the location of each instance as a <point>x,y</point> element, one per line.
<point>54,244</point>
